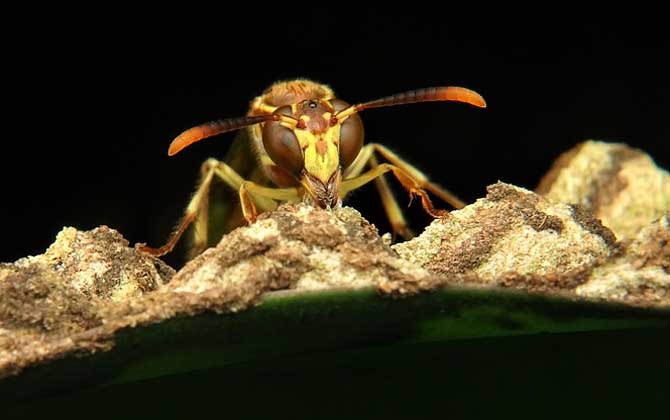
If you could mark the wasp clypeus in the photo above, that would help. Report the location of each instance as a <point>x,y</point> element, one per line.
<point>309,146</point>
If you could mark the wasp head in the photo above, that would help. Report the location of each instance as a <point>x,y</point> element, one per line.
<point>315,145</point>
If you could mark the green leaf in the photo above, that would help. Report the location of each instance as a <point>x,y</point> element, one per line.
<point>292,323</point>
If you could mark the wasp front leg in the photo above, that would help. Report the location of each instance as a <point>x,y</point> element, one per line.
<point>408,182</point>
<point>394,214</point>
<point>251,196</point>
<point>414,181</point>
<point>444,194</point>
<point>418,176</point>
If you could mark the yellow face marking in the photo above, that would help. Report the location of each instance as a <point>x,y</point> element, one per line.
<point>322,155</point>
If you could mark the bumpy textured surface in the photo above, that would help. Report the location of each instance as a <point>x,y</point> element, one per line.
<point>513,233</point>
<point>620,185</point>
<point>299,247</point>
<point>89,285</point>
<point>50,303</point>
<point>641,274</point>
<point>515,238</point>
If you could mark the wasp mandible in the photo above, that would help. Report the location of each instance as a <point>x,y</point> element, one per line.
<point>309,146</point>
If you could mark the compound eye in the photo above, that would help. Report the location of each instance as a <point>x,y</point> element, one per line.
<point>282,145</point>
<point>351,135</point>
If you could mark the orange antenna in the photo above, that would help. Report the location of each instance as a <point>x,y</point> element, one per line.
<point>445,93</point>
<point>203,131</point>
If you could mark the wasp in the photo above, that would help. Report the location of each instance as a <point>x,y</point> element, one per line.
<point>309,147</point>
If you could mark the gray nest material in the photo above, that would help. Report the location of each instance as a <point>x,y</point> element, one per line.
<point>90,285</point>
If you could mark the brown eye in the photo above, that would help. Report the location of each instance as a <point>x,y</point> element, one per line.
<point>282,145</point>
<point>351,134</point>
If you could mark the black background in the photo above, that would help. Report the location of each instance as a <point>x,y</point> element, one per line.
<point>94,102</point>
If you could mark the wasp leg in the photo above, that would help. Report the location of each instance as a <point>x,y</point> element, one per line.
<point>249,188</point>
<point>412,185</point>
<point>393,212</point>
<point>201,214</point>
<point>197,205</point>
<point>418,176</point>
<point>196,211</point>
<point>391,207</point>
